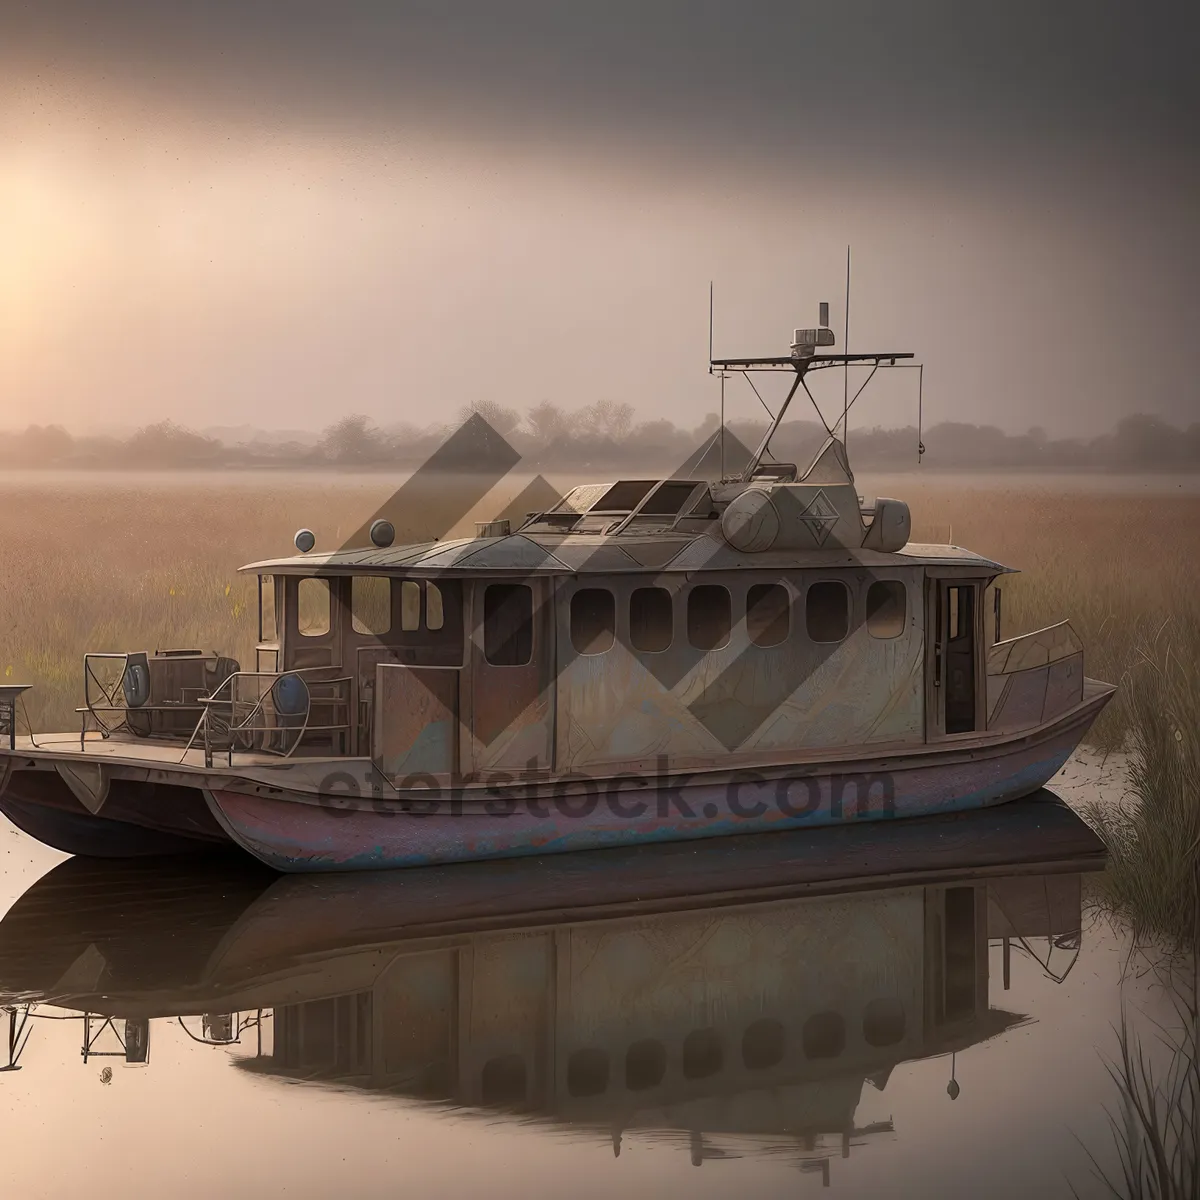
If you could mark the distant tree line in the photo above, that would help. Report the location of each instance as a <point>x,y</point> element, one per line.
<point>607,435</point>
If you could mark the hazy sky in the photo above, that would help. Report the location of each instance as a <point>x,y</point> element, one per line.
<point>278,213</point>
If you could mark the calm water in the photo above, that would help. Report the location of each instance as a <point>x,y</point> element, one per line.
<point>423,1036</point>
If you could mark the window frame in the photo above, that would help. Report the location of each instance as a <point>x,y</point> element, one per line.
<point>432,588</point>
<point>787,612</point>
<point>886,637</point>
<point>612,626</point>
<point>849,611</point>
<point>692,592</point>
<point>670,595</point>
<point>329,596</point>
<point>483,632</point>
<point>387,608</point>
<point>408,587</point>
<point>273,637</point>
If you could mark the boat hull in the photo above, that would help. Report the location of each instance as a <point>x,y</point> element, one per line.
<point>136,818</point>
<point>295,833</point>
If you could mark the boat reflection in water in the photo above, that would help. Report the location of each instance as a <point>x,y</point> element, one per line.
<point>735,997</point>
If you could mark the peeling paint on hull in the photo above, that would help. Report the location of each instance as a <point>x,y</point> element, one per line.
<point>296,836</point>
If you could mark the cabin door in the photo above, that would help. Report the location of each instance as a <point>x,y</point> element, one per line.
<point>512,677</point>
<point>954,702</point>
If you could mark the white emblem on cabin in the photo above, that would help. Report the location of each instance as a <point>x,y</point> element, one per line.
<point>819,516</point>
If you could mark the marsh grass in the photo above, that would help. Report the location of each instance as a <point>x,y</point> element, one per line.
<point>1119,566</point>
<point>1153,876</point>
<point>140,568</point>
<point>1156,1127</point>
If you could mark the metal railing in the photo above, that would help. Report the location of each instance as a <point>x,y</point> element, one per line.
<point>107,711</point>
<point>246,713</point>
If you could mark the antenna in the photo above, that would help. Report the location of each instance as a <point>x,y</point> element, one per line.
<point>846,350</point>
<point>920,410</point>
<point>722,377</point>
<point>710,327</point>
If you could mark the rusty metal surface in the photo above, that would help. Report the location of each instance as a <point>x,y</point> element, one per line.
<point>1037,694</point>
<point>616,707</point>
<point>293,836</point>
<point>416,720</point>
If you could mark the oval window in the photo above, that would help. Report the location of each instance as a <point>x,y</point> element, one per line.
<point>883,1022</point>
<point>763,1044</point>
<point>651,617</point>
<point>587,1073</point>
<point>508,624</point>
<point>435,616</point>
<point>267,631</point>
<point>827,611</point>
<point>370,604</point>
<point>709,616</point>
<point>702,1054</point>
<point>593,620</point>
<point>824,1035</point>
<point>312,605</point>
<point>887,608</point>
<point>768,614</point>
<point>645,1064</point>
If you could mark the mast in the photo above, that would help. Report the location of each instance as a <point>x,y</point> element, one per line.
<point>756,457</point>
<point>846,368</point>
<point>722,376</point>
<point>803,358</point>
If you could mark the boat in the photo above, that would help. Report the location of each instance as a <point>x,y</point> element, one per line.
<point>737,996</point>
<point>708,654</point>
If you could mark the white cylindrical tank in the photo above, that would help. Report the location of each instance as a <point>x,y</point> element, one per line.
<point>750,522</point>
<point>891,528</point>
<point>793,516</point>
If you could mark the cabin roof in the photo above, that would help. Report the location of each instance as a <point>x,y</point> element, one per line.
<point>629,553</point>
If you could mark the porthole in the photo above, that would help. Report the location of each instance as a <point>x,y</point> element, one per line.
<point>587,1073</point>
<point>763,1044</point>
<point>709,616</point>
<point>651,617</point>
<point>593,620</point>
<point>702,1054</point>
<point>827,611</point>
<point>824,1035</point>
<point>768,614</point>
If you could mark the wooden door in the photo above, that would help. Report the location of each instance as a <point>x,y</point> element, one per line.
<point>954,661</point>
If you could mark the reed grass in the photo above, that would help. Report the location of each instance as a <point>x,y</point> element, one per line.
<point>1119,566</point>
<point>1153,877</point>
<point>1156,1129</point>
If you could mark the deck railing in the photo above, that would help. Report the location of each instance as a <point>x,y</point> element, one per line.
<point>274,712</point>
<point>106,710</point>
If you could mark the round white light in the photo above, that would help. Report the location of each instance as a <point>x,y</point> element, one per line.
<point>305,540</point>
